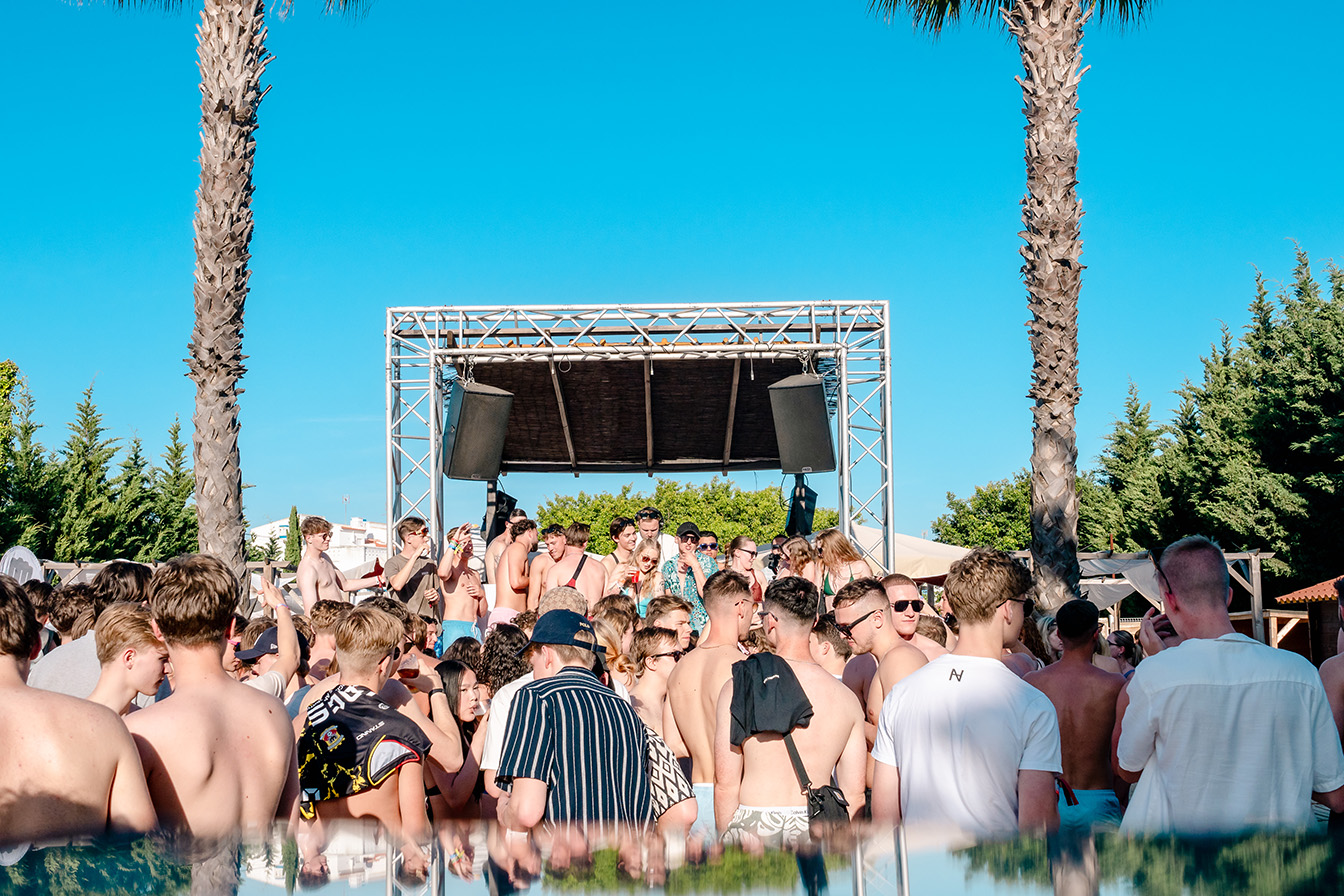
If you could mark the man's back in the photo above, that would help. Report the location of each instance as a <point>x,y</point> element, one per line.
<point>1230,734</point>
<point>835,730</point>
<point>69,768</point>
<point>1084,699</point>
<point>960,730</point>
<point>692,693</point>
<point>510,578</point>
<point>219,757</point>
<point>580,571</point>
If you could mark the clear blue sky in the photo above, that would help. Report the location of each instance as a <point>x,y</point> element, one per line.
<point>529,153</point>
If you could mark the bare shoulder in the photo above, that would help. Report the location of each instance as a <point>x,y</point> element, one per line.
<point>1332,672</point>
<point>825,690</point>
<point>902,660</point>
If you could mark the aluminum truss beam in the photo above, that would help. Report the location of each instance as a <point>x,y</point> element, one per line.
<point>428,346</point>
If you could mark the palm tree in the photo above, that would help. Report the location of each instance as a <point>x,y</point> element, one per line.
<point>231,56</point>
<point>1049,34</point>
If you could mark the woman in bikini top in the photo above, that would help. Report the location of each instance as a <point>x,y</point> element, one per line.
<point>839,562</point>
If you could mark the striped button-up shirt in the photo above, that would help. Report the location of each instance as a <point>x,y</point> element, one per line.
<point>585,743</point>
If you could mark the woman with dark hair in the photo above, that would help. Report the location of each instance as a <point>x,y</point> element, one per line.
<point>465,650</point>
<point>460,799</point>
<point>501,659</point>
<point>1125,650</point>
<point>742,558</point>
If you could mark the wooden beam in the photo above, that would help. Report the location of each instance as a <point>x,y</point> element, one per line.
<point>732,413</point>
<point>648,413</point>
<point>564,420</point>
<point>1283,632</point>
<point>1257,601</point>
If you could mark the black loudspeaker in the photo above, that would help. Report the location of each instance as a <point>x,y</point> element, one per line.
<point>802,426</point>
<point>801,509</point>
<point>476,419</point>
<point>499,506</point>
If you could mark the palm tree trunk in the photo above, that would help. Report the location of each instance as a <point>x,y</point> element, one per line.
<point>231,56</point>
<point>1049,33</point>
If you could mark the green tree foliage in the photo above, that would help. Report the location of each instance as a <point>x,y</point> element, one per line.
<point>96,869</point>
<point>29,487</point>
<point>293,542</point>
<point>86,515</point>
<point>998,515</point>
<point>719,506</point>
<point>75,505</point>
<point>175,530</point>
<point>1254,454</point>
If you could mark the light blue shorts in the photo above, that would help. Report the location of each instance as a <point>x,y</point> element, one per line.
<point>458,628</point>
<point>1095,809</point>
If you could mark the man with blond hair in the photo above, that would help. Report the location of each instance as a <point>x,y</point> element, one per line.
<point>319,579</point>
<point>326,614</point>
<point>132,657</point>
<point>68,766</point>
<point>218,755</point>
<point>359,757</point>
<point>965,749</point>
<point>1228,733</point>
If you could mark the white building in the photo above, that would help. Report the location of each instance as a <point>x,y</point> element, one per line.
<point>352,545</point>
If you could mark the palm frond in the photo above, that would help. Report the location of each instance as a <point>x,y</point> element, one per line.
<point>1122,12</point>
<point>934,15</point>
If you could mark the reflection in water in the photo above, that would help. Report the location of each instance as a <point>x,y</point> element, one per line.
<point>1261,864</point>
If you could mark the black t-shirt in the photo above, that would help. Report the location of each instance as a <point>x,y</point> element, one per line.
<point>351,742</point>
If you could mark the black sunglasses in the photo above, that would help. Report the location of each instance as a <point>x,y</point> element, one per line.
<point>847,628</point>
<point>1028,604</point>
<point>649,515</point>
<point>1160,573</point>
<point>675,654</point>
<point>900,605</point>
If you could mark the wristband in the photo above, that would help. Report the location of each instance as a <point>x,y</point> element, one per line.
<point>433,691</point>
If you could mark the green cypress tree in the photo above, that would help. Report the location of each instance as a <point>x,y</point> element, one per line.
<point>132,507</point>
<point>86,514</point>
<point>293,540</point>
<point>1129,470</point>
<point>29,504</point>
<point>173,487</point>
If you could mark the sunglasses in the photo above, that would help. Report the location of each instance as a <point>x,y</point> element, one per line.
<point>747,552</point>
<point>675,654</point>
<point>691,538</point>
<point>1028,604</point>
<point>900,605</point>
<point>708,548</point>
<point>761,614</point>
<point>1163,576</point>
<point>847,628</point>
<point>649,515</point>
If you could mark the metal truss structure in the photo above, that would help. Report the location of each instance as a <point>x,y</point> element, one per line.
<point>428,347</point>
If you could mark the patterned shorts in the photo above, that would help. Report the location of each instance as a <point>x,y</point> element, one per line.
<point>784,827</point>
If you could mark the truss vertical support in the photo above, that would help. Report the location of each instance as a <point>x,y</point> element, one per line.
<point>435,464</point>
<point>888,461</point>
<point>392,400</point>
<point>843,421</point>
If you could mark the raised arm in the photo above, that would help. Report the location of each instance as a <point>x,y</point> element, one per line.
<point>286,637</point>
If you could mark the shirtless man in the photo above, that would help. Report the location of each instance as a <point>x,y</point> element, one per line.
<point>655,654</point>
<point>218,755</point>
<point>463,602</point>
<point>319,579</point>
<point>133,659</point>
<point>359,757</point>
<point>758,798</point>
<point>863,615</point>
<point>694,686</point>
<point>620,563</point>
<point>67,766</point>
<point>511,575</point>
<point>1084,698</point>
<point>499,544</point>
<point>576,569</point>
<point>554,537</point>
<point>906,607</point>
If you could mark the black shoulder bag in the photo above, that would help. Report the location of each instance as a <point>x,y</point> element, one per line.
<point>825,805</point>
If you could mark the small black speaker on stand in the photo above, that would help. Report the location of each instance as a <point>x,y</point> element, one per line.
<point>802,425</point>
<point>801,508</point>
<point>476,419</point>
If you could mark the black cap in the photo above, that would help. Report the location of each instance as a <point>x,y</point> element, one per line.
<point>269,642</point>
<point>687,529</point>
<point>561,627</point>
<point>1076,619</point>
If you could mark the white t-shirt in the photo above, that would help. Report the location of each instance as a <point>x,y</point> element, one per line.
<point>71,668</point>
<point>1230,734</point>
<point>960,729</point>
<point>271,682</point>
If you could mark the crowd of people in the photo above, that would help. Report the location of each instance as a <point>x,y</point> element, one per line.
<point>655,694</point>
